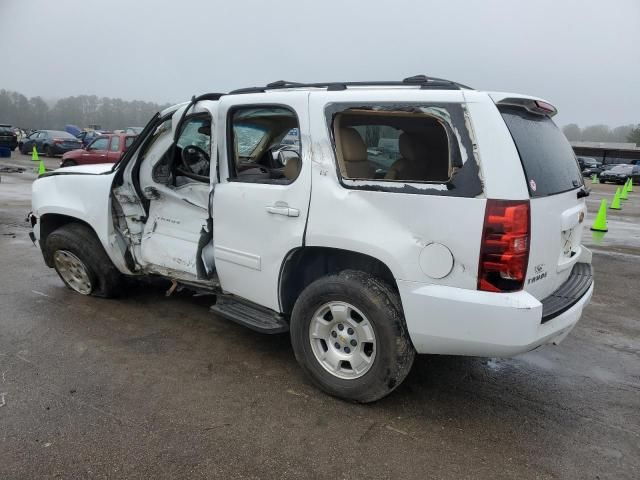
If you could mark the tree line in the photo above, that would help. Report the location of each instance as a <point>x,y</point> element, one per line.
<point>602,133</point>
<point>114,113</point>
<point>82,110</point>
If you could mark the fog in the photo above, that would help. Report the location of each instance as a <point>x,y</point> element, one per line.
<point>583,56</point>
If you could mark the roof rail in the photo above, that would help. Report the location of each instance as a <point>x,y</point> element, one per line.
<point>422,81</point>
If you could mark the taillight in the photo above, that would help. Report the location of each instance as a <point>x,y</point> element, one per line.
<point>504,251</point>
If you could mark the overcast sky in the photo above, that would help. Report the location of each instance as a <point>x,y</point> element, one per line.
<point>582,55</point>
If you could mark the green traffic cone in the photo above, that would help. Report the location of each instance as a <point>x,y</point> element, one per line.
<point>34,154</point>
<point>593,178</point>
<point>615,203</point>
<point>41,168</point>
<point>630,189</point>
<point>625,193</point>
<point>600,223</point>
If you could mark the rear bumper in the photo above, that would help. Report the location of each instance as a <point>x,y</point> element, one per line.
<point>9,143</point>
<point>455,321</point>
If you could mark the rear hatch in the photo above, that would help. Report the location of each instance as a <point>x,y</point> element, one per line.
<point>554,181</point>
<point>6,134</point>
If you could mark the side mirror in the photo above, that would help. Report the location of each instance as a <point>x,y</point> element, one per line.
<point>286,155</point>
<point>292,165</point>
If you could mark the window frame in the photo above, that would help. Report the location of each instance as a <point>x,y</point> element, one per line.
<point>231,164</point>
<point>465,183</point>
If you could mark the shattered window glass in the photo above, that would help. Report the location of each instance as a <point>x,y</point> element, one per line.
<point>391,145</point>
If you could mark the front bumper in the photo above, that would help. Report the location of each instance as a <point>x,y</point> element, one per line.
<point>456,321</point>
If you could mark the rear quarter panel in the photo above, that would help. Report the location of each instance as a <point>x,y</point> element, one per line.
<point>393,227</point>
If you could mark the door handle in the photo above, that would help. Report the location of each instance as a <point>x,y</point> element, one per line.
<point>283,210</point>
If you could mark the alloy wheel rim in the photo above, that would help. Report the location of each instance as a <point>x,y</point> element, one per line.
<point>73,271</point>
<point>342,340</point>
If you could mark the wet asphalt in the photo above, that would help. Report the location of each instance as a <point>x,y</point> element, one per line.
<point>149,386</point>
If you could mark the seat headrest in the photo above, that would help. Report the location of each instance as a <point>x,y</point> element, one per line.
<point>412,147</point>
<point>353,147</point>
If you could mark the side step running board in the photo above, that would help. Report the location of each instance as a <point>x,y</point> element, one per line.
<point>255,317</point>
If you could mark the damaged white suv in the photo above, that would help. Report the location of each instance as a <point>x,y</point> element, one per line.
<point>372,220</point>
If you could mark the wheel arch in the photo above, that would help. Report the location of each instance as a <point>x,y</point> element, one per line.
<point>304,265</point>
<point>50,222</point>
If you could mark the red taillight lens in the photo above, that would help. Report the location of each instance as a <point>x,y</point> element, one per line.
<point>504,251</point>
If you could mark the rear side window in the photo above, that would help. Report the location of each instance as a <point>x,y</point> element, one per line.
<point>547,158</point>
<point>404,147</point>
<point>392,146</point>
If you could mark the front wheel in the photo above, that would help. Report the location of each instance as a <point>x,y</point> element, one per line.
<point>81,262</point>
<point>349,335</point>
<point>49,151</point>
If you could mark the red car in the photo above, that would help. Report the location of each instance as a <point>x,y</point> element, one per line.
<point>104,149</point>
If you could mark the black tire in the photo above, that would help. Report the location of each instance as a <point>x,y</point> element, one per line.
<point>68,163</point>
<point>82,242</point>
<point>381,306</point>
<point>48,151</point>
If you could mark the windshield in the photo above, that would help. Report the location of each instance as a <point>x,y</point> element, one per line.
<point>5,128</point>
<point>547,157</point>
<point>248,137</point>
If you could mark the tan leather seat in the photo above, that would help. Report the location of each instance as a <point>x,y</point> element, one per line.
<point>419,162</point>
<point>354,155</point>
<point>292,168</point>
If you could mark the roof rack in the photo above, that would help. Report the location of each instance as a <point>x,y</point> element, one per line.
<point>424,82</point>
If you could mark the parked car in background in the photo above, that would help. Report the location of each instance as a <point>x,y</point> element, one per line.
<point>49,142</point>
<point>594,170</point>
<point>133,130</point>
<point>617,174</point>
<point>589,166</point>
<point>8,137</point>
<point>635,174</point>
<point>105,149</point>
<point>89,136</point>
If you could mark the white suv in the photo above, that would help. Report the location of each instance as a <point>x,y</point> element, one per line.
<point>409,217</point>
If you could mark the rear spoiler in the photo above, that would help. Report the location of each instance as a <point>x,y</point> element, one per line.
<point>539,107</point>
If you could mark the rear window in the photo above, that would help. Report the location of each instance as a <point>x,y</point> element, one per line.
<point>547,158</point>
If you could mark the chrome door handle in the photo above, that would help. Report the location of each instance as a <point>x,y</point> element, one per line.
<point>282,210</point>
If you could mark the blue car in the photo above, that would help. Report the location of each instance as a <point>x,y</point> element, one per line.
<point>49,142</point>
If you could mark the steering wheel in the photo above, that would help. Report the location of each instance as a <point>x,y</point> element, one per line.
<point>194,161</point>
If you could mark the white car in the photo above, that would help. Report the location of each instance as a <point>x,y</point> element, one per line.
<point>467,241</point>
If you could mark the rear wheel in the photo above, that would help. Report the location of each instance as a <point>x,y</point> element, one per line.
<point>49,151</point>
<point>349,335</point>
<point>81,262</point>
